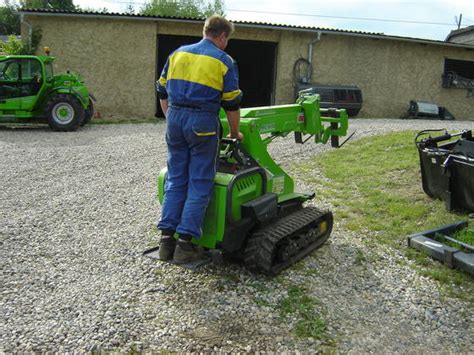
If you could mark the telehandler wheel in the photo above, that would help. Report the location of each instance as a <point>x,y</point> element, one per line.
<point>88,113</point>
<point>64,112</point>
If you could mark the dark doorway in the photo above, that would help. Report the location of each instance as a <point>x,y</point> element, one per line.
<point>256,61</point>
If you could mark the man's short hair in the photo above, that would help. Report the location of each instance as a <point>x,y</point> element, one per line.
<point>216,24</point>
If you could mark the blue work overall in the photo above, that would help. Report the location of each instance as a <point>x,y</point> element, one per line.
<point>197,80</point>
<point>192,137</point>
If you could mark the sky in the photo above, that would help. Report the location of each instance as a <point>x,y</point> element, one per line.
<point>428,19</point>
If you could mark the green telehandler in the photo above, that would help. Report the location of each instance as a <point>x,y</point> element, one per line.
<point>254,213</point>
<point>30,92</point>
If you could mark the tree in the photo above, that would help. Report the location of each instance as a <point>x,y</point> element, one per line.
<point>49,4</point>
<point>130,9</point>
<point>183,8</point>
<point>15,45</point>
<point>12,46</point>
<point>10,25</point>
<point>216,8</point>
<point>9,20</point>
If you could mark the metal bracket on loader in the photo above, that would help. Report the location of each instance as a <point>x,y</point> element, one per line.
<point>209,256</point>
<point>334,139</point>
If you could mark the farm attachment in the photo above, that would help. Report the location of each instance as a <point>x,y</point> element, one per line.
<point>441,244</point>
<point>447,169</point>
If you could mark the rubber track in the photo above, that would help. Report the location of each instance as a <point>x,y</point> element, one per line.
<point>259,253</point>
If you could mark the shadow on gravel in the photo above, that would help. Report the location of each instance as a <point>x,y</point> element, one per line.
<point>24,127</point>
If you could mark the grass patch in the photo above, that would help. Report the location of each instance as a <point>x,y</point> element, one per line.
<point>300,305</point>
<point>465,236</point>
<point>375,187</point>
<point>360,257</point>
<point>261,291</point>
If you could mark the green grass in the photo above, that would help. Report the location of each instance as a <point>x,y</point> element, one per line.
<point>466,236</point>
<point>375,187</point>
<point>360,257</point>
<point>300,305</point>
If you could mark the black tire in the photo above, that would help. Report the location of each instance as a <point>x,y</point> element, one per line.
<point>353,112</point>
<point>88,113</point>
<point>64,112</point>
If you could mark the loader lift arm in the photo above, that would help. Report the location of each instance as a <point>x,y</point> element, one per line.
<point>262,125</point>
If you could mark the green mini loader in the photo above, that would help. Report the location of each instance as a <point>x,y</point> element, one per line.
<point>254,214</point>
<point>31,93</point>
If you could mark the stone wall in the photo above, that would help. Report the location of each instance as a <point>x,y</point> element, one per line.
<point>116,59</point>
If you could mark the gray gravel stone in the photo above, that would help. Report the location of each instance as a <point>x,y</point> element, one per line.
<point>77,210</point>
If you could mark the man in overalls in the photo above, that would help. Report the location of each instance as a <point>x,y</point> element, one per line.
<point>196,81</point>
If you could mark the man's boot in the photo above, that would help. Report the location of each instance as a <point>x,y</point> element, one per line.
<point>186,252</point>
<point>167,247</point>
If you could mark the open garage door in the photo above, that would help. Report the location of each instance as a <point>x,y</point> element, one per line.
<point>256,61</point>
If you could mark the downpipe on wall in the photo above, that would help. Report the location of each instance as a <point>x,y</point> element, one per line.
<point>310,53</point>
<point>30,29</point>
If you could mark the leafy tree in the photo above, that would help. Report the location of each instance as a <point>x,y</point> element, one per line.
<point>12,46</point>
<point>33,4</point>
<point>49,4</point>
<point>103,10</point>
<point>215,8</point>
<point>9,20</point>
<point>62,4</point>
<point>130,9</point>
<point>183,8</point>
<point>17,46</point>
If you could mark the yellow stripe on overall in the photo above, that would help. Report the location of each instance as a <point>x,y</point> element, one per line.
<point>197,68</point>
<point>204,134</point>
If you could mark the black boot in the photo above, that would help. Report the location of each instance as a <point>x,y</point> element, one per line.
<point>167,247</point>
<point>186,252</point>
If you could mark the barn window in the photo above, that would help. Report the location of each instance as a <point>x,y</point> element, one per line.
<point>464,68</point>
<point>458,74</point>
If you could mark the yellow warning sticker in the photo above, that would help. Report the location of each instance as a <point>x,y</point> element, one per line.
<point>323,226</point>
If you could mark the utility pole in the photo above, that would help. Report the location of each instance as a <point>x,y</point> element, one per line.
<point>459,22</point>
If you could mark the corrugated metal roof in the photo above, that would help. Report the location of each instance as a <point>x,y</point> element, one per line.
<point>460,31</point>
<point>256,24</point>
<point>100,13</point>
<point>268,25</point>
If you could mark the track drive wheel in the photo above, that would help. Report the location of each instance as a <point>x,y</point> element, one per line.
<point>282,243</point>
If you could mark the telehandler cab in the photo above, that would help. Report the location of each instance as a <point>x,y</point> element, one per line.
<point>30,92</point>
<point>254,213</point>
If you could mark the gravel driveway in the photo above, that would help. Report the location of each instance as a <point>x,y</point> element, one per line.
<point>77,210</point>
